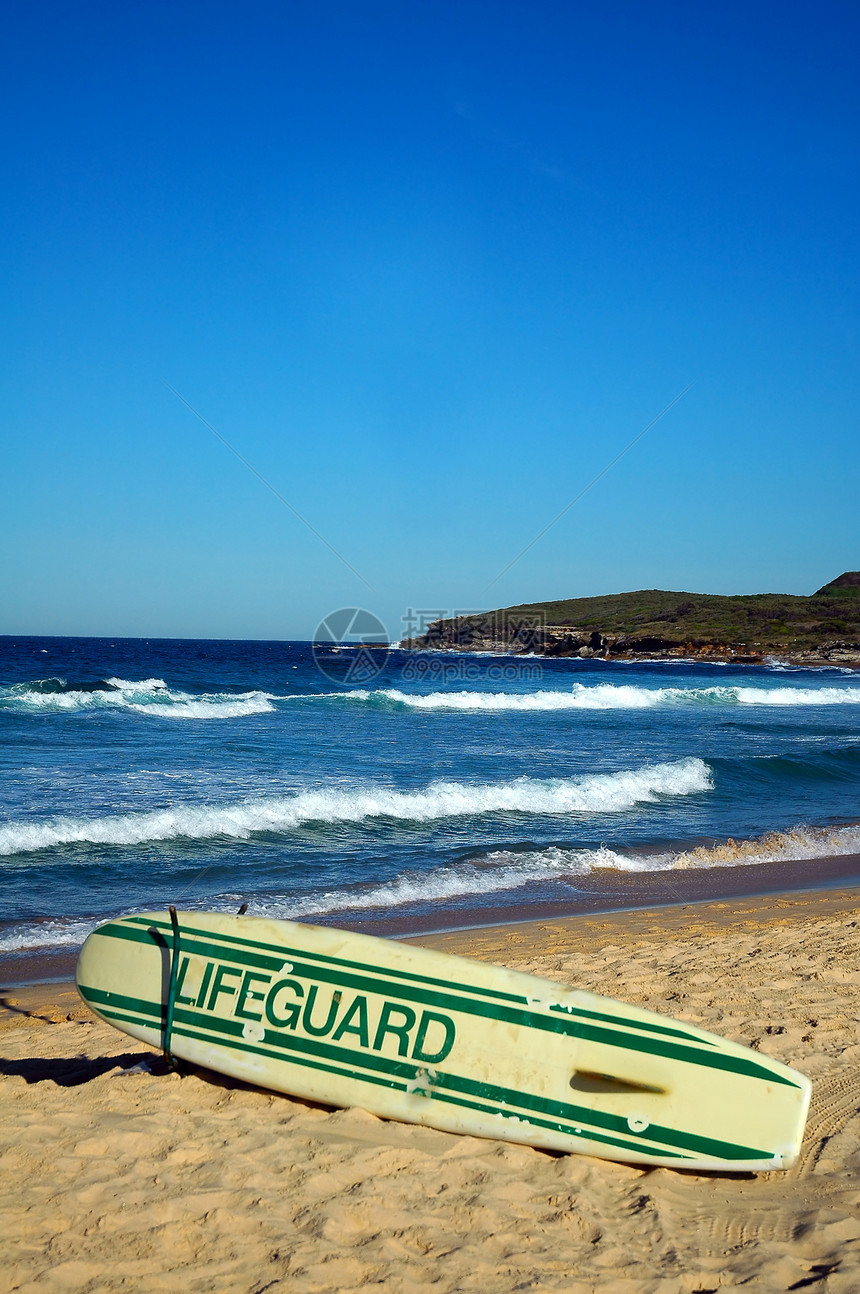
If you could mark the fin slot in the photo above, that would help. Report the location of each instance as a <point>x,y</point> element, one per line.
<point>586,1080</point>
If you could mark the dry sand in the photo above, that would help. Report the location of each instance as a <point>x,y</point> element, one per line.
<point>116,1175</point>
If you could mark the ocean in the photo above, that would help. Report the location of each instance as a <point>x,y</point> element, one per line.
<point>396,790</point>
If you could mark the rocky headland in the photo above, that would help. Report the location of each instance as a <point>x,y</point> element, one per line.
<point>656,624</point>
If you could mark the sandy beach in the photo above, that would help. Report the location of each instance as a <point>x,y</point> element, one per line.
<point>117,1174</point>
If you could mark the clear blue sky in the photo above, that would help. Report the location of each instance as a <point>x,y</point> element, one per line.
<point>429,267</point>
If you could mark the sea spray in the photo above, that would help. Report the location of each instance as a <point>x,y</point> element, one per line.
<point>501,870</point>
<point>595,794</point>
<point>485,876</point>
<point>150,696</point>
<point>608,696</point>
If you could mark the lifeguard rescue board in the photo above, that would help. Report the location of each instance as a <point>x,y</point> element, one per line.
<point>425,1037</point>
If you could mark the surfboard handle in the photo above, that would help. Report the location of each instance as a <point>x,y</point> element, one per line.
<point>171,987</point>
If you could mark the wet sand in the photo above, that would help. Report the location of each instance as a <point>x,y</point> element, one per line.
<point>117,1174</point>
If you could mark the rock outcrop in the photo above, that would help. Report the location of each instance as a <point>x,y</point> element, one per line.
<point>656,624</point>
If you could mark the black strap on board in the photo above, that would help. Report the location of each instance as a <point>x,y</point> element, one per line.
<point>171,988</point>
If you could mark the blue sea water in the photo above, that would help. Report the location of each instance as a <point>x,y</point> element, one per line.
<point>357,785</point>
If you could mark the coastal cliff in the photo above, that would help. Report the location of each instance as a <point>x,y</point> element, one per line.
<point>656,624</point>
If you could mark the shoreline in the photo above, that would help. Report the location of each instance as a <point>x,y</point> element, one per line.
<point>630,893</point>
<point>849,660</point>
<point>58,995</point>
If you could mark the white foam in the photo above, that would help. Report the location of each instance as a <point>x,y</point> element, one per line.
<point>774,847</point>
<point>503,870</point>
<point>603,696</point>
<point>497,871</point>
<point>152,697</point>
<point>492,873</point>
<point>139,685</point>
<point>613,696</point>
<point>46,934</point>
<point>148,696</point>
<point>597,793</point>
<point>797,695</point>
<point>210,707</point>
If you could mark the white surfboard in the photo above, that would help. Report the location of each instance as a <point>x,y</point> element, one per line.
<point>425,1037</point>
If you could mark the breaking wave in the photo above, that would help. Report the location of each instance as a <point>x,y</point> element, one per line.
<point>149,696</point>
<point>507,869</point>
<point>152,697</point>
<point>609,696</point>
<point>491,873</point>
<point>596,793</point>
<point>774,847</point>
<point>56,933</point>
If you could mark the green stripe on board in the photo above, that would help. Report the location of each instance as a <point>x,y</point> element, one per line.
<point>708,1146</point>
<point>281,949</point>
<point>233,1030</point>
<point>312,1062</point>
<point>200,1035</point>
<point>229,1032</point>
<point>645,1025</point>
<point>572,1132</point>
<point>558,1023</point>
<point>447,984</point>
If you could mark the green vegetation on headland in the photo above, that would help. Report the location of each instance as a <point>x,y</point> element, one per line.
<point>655,623</point>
